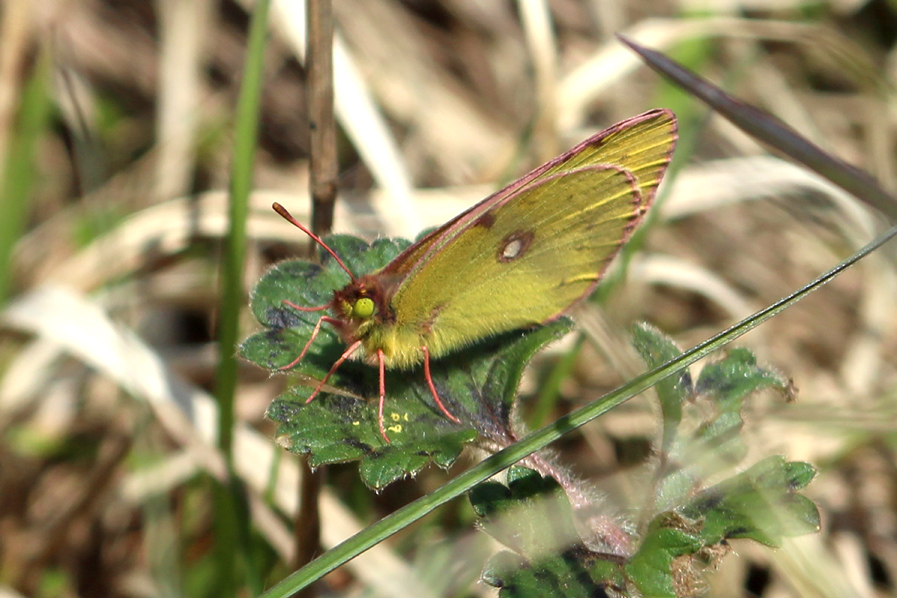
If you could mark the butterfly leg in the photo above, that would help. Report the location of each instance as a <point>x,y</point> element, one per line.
<point>342,359</point>
<point>433,386</point>
<point>382,364</point>
<point>314,334</point>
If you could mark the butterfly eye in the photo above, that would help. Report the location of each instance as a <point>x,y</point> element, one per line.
<point>364,308</point>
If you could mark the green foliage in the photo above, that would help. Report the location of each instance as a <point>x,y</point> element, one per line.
<point>656,349</point>
<point>478,385</point>
<point>708,439</point>
<point>530,515</point>
<point>553,547</point>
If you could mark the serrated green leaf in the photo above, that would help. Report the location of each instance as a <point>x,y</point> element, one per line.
<point>531,515</point>
<point>709,440</point>
<point>656,349</point>
<point>562,575</point>
<point>799,474</point>
<point>653,568</point>
<point>760,503</point>
<point>477,385</point>
<point>735,376</point>
<point>362,258</point>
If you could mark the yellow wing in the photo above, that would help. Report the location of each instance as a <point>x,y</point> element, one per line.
<point>527,253</point>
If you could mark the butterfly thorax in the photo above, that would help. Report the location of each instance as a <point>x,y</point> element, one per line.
<point>364,312</point>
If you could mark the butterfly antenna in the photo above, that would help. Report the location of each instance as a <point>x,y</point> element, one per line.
<point>289,218</point>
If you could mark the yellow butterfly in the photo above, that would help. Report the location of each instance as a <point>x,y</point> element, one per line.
<point>519,258</point>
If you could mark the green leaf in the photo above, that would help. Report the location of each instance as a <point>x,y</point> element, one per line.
<point>564,575</point>
<point>761,504</point>
<point>708,438</point>
<point>736,376</point>
<point>656,349</point>
<point>531,515</point>
<point>702,428</point>
<point>478,384</point>
<point>658,566</point>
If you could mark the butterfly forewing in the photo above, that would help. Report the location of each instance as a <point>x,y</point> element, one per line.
<point>642,144</point>
<point>526,253</point>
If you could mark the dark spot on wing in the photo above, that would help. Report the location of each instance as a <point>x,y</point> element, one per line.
<point>486,220</point>
<point>515,245</point>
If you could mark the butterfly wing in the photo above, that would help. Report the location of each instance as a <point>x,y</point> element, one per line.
<point>525,254</point>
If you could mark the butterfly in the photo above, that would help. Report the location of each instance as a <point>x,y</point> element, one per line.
<point>519,258</point>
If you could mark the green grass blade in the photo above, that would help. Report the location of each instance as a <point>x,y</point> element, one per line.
<point>772,131</point>
<point>232,297</point>
<point>231,516</point>
<point>20,169</point>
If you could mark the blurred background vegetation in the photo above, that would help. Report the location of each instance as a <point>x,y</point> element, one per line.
<point>116,140</point>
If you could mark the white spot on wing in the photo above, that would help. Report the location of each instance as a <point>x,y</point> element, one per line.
<point>512,249</point>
